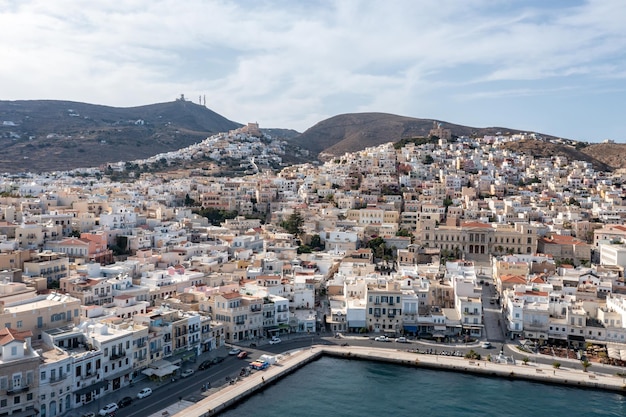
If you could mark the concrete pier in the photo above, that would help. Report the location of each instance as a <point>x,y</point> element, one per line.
<point>231,394</point>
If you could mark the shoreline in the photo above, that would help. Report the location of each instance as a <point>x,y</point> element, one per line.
<point>217,402</point>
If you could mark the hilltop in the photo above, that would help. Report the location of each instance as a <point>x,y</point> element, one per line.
<point>47,135</point>
<point>356,131</point>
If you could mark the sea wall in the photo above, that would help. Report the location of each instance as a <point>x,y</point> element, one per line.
<point>290,362</point>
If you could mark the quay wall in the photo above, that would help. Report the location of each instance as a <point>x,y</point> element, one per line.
<point>230,395</point>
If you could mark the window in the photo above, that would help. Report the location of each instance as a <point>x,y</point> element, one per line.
<point>3,403</point>
<point>43,375</point>
<point>19,324</point>
<point>16,399</point>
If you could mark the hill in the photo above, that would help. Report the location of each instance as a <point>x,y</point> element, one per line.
<point>544,149</point>
<point>353,132</point>
<point>48,135</point>
<point>612,154</point>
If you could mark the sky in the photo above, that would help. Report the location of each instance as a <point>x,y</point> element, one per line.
<point>556,67</point>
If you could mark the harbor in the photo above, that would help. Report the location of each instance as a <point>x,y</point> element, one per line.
<point>218,401</point>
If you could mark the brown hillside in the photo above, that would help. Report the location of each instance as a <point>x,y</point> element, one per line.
<point>612,154</point>
<point>543,149</point>
<point>357,131</point>
<point>49,135</point>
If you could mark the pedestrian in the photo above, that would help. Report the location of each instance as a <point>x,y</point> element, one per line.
<point>263,379</point>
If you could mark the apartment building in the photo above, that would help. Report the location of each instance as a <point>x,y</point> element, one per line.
<point>384,307</point>
<point>19,373</point>
<point>41,312</point>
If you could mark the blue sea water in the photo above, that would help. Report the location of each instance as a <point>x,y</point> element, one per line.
<point>333,387</point>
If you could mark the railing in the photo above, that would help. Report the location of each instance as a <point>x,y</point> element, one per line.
<point>117,355</point>
<point>58,378</point>
<point>17,390</point>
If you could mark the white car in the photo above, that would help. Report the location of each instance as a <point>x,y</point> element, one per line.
<point>274,340</point>
<point>402,339</point>
<point>108,409</point>
<point>234,351</point>
<point>485,345</point>
<point>146,392</point>
<point>186,373</point>
<point>382,339</point>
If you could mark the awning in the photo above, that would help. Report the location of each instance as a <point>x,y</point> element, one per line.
<point>118,375</point>
<point>575,337</point>
<point>161,371</point>
<point>26,413</point>
<point>91,388</point>
<point>410,328</point>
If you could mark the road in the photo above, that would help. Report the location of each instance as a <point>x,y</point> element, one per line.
<point>190,388</point>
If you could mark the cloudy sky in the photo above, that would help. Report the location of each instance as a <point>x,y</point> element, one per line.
<point>557,67</point>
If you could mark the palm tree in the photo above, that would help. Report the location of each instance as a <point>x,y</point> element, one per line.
<point>585,364</point>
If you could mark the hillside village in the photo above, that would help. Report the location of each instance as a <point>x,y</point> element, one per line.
<point>104,279</point>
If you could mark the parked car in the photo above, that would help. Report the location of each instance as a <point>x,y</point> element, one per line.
<point>186,373</point>
<point>234,351</point>
<point>402,339</point>
<point>243,354</point>
<point>274,340</point>
<point>126,401</point>
<point>146,392</point>
<point>205,365</point>
<point>382,339</point>
<point>88,414</point>
<point>217,360</point>
<point>108,409</point>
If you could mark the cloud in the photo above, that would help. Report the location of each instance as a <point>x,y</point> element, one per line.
<point>291,64</point>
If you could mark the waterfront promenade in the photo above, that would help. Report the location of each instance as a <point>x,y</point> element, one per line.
<point>218,401</point>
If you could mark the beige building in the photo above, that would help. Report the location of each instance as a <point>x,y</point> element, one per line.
<point>50,265</point>
<point>41,313</point>
<point>242,316</point>
<point>383,312</point>
<point>477,241</point>
<point>19,376</point>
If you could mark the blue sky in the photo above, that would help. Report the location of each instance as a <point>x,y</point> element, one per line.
<point>556,67</point>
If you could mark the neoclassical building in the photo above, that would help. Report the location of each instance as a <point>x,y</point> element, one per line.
<point>476,240</point>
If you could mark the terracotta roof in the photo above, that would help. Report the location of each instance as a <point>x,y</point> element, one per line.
<point>562,240</point>
<point>231,295</point>
<point>513,279</point>
<point>476,224</point>
<point>8,335</point>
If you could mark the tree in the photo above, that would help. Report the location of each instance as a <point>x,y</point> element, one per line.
<point>585,364</point>
<point>556,364</point>
<point>294,224</point>
<point>316,242</point>
<point>525,360</point>
<point>189,201</point>
<point>428,160</point>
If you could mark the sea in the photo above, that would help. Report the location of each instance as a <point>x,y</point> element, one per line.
<point>332,387</point>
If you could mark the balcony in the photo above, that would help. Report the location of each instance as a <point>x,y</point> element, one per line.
<point>17,390</point>
<point>391,315</point>
<point>117,355</point>
<point>240,322</point>
<point>376,314</point>
<point>57,378</point>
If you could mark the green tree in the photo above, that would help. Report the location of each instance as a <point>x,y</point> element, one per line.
<point>316,242</point>
<point>585,364</point>
<point>294,224</point>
